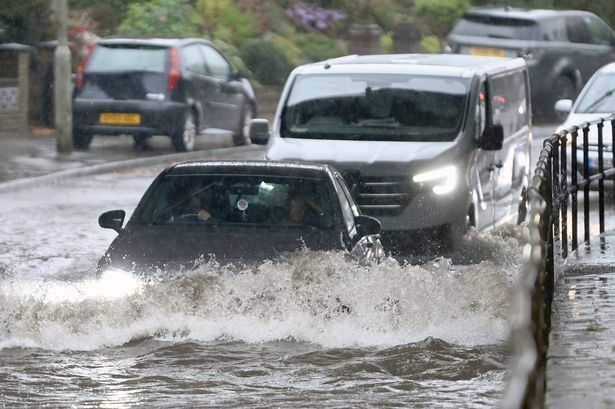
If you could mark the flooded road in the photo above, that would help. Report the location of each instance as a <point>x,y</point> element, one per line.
<point>316,329</point>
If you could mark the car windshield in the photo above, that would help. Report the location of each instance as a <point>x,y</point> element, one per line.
<point>600,96</point>
<point>113,58</point>
<point>388,107</point>
<point>235,200</point>
<point>497,27</point>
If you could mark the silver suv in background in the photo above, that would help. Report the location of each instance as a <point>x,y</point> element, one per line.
<point>562,48</point>
<point>426,143</point>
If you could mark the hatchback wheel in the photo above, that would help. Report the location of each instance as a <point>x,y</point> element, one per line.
<point>242,136</point>
<point>184,138</point>
<point>81,140</point>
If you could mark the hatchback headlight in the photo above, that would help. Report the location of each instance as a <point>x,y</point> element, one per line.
<point>443,180</point>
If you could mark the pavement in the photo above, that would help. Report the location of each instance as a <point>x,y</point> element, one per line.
<point>30,158</point>
<point>581,355</point>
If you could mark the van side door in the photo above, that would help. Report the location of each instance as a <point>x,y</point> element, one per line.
<point>510,108</point>
<point>484,162</point>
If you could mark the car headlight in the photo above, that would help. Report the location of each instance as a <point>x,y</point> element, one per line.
<point>443,180</point>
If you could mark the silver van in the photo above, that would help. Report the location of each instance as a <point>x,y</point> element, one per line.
<point>427,143</point>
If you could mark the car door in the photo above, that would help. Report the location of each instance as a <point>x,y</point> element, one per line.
<point>227,101</point>
<point>198,85</point>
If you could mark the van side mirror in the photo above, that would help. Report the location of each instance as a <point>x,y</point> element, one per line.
<point>259,131</point>
<point>492,138</point>
<point>113,219</point>
<point>366,225</point>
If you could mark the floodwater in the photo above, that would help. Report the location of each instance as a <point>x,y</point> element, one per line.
<point>315,330</point>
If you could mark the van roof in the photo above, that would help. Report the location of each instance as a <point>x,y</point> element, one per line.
<point>435,64</point>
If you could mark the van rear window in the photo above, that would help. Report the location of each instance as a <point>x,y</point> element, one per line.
<point>114,58</point>
<point>497,27</point>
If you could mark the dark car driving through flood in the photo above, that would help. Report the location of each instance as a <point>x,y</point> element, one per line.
<point>238,211</point>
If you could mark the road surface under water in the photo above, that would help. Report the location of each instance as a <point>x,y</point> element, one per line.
<point>316,329</point>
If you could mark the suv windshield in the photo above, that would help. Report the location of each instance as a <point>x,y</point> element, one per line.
<point>389,107</point>
<point>114,58</point>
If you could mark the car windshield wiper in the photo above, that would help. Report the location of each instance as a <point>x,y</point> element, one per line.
<point>590,108</point>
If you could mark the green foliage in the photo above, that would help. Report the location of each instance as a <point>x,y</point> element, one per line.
<point>222,19</point>
<point>26,21</point>
<point>160,18</point>
<point>386,42</point>
<point>431,44</point>
<point>277,21</point>
<point>439,16</point>
<point>266,60</point>
<point>318,47</point>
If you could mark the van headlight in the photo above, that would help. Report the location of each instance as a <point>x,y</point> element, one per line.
<point>442,180</point>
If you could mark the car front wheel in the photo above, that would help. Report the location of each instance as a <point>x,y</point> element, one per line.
<point>184,138</point>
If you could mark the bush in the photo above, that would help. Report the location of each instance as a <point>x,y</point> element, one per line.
<point>267,61</point>
<point>431,44</point>
<point>318,47</point>
<point>440,15</point>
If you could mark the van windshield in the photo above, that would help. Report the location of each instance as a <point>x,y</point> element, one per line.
<point>387,107</point>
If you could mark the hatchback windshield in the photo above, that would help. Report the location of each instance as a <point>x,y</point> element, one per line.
<point>375,107</point>
<point>600,96</point>
<point>107,59</point>
<point>239,200</point>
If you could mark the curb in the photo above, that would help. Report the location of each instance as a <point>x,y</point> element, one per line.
<point>58,177</point>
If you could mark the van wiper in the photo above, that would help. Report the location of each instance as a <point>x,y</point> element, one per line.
<point>590,108</point>
<point>377,123</point>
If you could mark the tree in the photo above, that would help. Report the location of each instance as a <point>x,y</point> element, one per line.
<point>160,18</point>
<point>26,21</point>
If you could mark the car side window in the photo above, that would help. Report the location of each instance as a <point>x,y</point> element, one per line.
<point>600,32</point>
<point>217,66</point>
<point>509,101</point>
<point>577,31</point>
<point>192,59</point>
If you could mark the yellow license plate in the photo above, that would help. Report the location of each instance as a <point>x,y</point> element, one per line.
<point>488,52</point>
<point>109,118</point>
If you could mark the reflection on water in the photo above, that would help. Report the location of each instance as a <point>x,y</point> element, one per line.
<point>316,329</point>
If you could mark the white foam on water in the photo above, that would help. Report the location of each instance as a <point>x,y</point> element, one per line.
<point>318,297</point>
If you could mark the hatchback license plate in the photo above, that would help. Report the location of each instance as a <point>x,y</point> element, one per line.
<point>109,118</point>
<point>488,52</point>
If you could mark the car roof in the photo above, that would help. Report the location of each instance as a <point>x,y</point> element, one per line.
<point>161,42</point>
<point>252,167</point>
<point>519,13</point>
<point>434,64</point>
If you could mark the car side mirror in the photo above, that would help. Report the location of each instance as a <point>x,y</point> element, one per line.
<point>259,131</point>
<point>563,106</point>
<point>492,138</point>
<point>113,219</point>
<point>366,225</point>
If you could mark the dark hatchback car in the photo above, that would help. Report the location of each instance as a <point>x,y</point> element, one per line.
<point>562,48</point>
<point>239,212</point>
<point>174,87</point>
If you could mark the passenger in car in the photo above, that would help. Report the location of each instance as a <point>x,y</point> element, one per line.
<point>302,209</point>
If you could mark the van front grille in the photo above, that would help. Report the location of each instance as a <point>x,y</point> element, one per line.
<point>382,195</point>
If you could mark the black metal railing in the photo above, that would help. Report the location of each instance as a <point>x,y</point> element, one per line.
<point>557,185</point>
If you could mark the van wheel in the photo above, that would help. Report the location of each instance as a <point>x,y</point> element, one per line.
<point>184,138</point>
<point>82,140</point>
<point>242,136</point>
